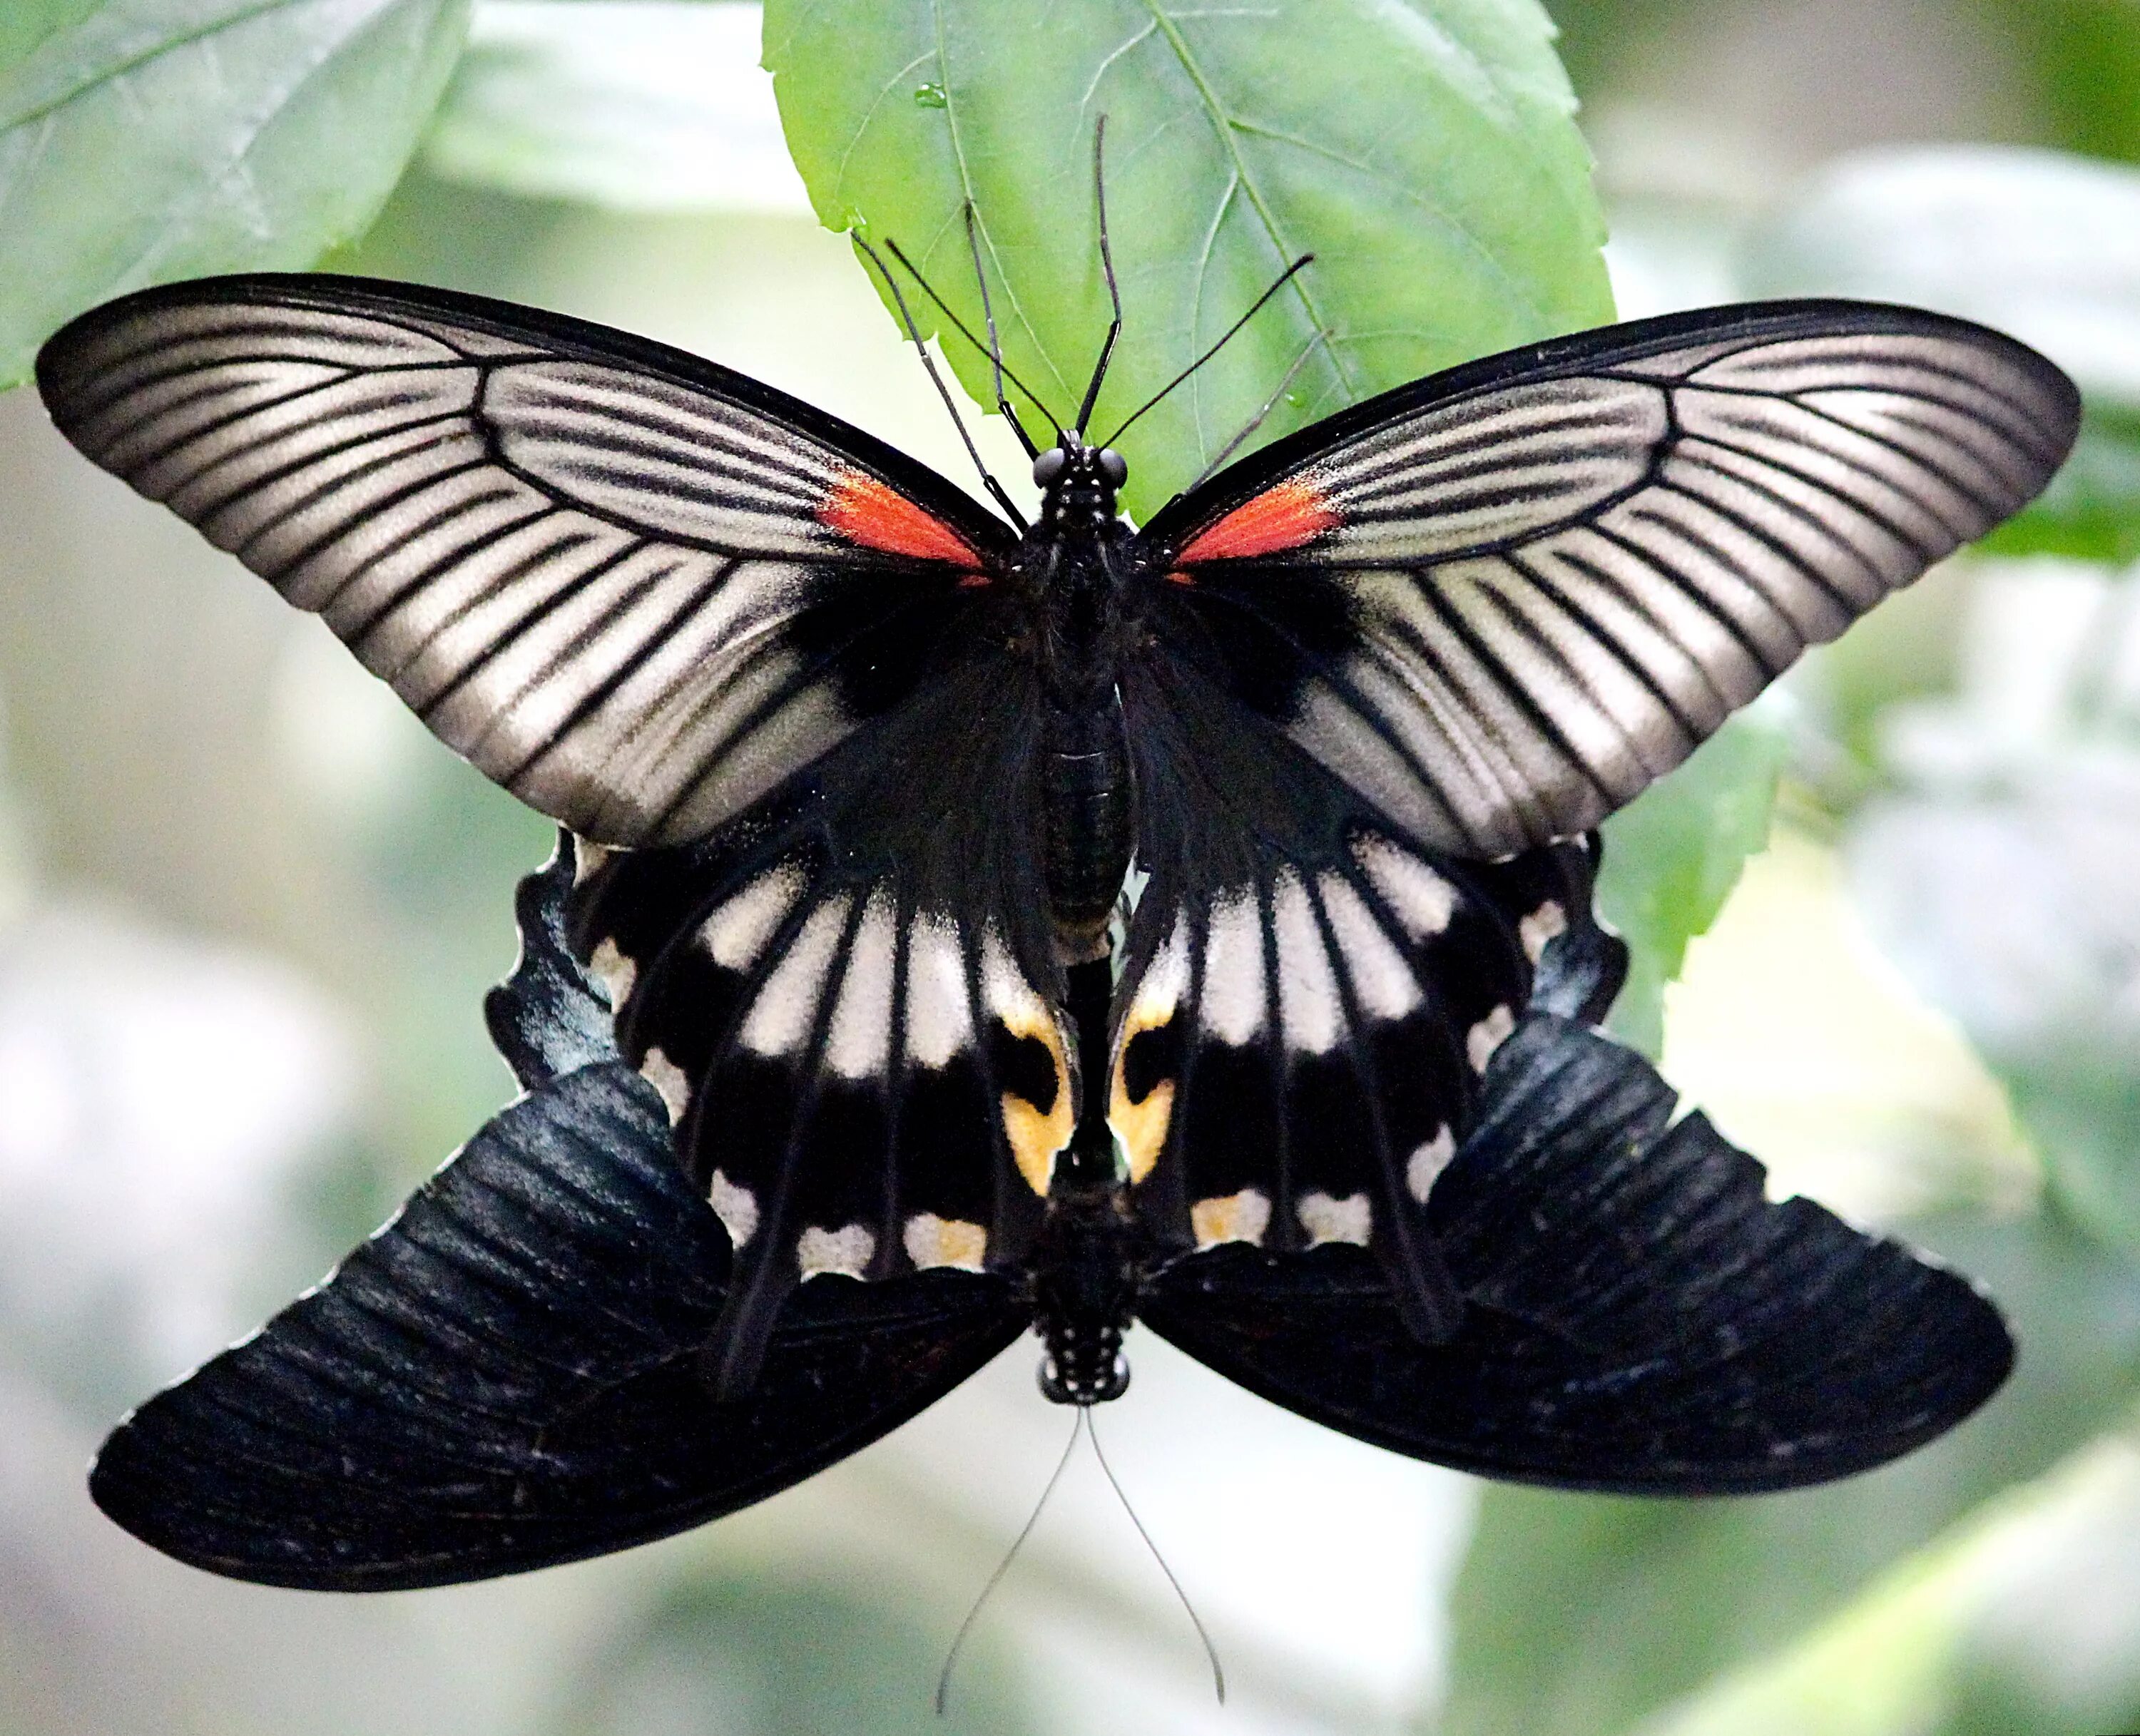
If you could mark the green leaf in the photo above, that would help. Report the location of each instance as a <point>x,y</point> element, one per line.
<point>2085,56</point>
<point>147,140</point>
<point>1582,1615</point>
<point>2091,511</point>
<point>1673,854</point>
<point>1423,150</point>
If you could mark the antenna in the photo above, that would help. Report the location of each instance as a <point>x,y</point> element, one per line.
<point>996,344</point>
<point>1211,1651</point>
<point>966,333</point>
<point>995,1579</point>
<point>1255,307</point>
<point>994,487</point>
<point>1107,266</point>
<point>1256,421</point>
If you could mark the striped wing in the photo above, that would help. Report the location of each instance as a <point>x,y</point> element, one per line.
<point>1308,1000</point>
<point>634,588</point>
<point>1500,602</point>
<point>849,1002</point>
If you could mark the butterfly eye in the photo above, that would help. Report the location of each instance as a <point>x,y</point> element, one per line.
<point>1114,467</point>
<point>1049,466</point>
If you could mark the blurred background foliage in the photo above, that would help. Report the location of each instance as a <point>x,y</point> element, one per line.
<point>1887,925</point>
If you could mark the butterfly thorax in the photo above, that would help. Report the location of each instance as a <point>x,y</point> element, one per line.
<point>1072,568</point>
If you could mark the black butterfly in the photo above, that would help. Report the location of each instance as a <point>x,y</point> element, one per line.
<point>858,776</point>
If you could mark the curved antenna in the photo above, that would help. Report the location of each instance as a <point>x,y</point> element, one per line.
<point>994,487</point>
<point>1108,266</point>
<point>1255,307</point>
<point>995,1579</point>
<point>995,343</point>
<point>1196,1622</point>
<point>1256,421</point>
<point>966,332</point>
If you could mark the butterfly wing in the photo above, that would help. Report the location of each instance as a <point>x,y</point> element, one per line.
<point>849,1000</point>
<point>1638,1318</point>
<point>507,1376</point>
<point>636,589</point>
<point>1309,997</point>
<point>1501,601</point>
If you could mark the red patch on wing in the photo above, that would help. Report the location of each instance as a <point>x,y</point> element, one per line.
<point>865,511</point>
<point>1282,518</point>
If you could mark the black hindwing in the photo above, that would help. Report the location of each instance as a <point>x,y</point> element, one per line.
<point>1637,1318</point>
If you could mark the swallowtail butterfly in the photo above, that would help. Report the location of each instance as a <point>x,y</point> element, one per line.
<point>842,1069</point>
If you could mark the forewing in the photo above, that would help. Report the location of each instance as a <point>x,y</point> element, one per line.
<point>636,589</point>
<point>507,1376</point>
<point>849,1001</point>
<point>1500,602</point>
<point>1638,1317</point>
<point>1309,997</point>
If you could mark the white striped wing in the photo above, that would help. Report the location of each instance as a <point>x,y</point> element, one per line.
<point>625,584</point>
<point>1500,602</point>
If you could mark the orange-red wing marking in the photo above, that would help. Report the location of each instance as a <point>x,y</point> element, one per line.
<point>1282,518</point>
<point>865,511</point>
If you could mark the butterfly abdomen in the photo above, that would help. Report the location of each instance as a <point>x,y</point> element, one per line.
<point>1085,793</point>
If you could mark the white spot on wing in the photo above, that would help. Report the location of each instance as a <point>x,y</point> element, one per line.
<point>1424,1167</point>
<point>1233,997</point>
<point>787,1003</point>
<point>1309,1009</point>
<point>935,1241</point>
<point>1422,901</point>
<point>735,1206</point>
<point>665,1076</point>
<point>846,1251</point>
<point>1159,991</point>
<point>860,1038</point>
<point>1382,983</point>
<point>1004,986</point>
<point>737,932</point>
<point>1242,1217</point>
<point>615,973</point>
<point>1329,1219</point>
<point>588,857</point>
<point>1488,1035</point>
<point>940,1017</point>
<point>1546,923</point>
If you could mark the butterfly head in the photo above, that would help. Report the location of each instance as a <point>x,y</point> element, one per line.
<point>1078,481</point>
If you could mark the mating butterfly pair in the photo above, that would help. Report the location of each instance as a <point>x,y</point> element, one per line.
<point>839,1075</point>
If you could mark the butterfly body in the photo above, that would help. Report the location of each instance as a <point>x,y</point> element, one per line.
<point>836,1081</point>
<point>1073,571</point>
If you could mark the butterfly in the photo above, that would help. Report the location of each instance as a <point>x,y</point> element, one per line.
<point>848,1055</point>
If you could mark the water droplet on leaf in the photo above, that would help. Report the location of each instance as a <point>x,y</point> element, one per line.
<point>930,96</point>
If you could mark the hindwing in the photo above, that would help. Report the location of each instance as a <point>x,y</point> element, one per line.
<point>1500,602</point>
<point>1310,997</point>
<point>636,589</point>
<point>507,1373</point>
<point>848,1000</point>
<point>1638,1317</point>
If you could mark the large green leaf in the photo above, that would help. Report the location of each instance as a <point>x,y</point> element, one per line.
<point>1423,150</point>
<point>1673,854</point>
<point>1580,1616</point>
<point>145,140</point>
